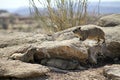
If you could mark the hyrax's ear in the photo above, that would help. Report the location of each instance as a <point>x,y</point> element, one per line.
<point>79,28</point>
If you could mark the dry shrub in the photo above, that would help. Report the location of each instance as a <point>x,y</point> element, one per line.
<point>60,14</point>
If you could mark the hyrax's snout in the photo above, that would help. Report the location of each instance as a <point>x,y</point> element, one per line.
<point>33,49</point>
<point>76,31</point>
<point>82,39</point>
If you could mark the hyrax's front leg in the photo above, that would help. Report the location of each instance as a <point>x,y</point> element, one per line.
<point>103,39</point>
<point>99,39</point>
<point>80,39</point>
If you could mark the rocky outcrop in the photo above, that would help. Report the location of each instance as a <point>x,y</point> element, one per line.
<point>65,46</point>
<point>18,69</point>
<point>110,20</point>
<point>112,72</point>
<point>67,50</point>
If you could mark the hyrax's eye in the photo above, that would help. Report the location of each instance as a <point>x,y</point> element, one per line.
<point>79,28</point>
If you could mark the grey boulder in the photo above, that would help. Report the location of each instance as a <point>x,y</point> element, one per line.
<point>110,20</point>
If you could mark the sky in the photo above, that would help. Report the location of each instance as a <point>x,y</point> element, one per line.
<point>11,4</point>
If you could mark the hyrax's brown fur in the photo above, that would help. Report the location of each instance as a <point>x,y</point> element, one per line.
<point>90,32</point>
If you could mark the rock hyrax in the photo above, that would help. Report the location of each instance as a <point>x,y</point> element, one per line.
<point>90,32</point>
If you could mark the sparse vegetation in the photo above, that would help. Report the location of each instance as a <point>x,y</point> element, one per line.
<point>60,14</point>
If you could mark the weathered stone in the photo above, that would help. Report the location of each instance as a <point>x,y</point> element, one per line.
<point>27,56</point>
<point>112,72</point>
<point>112,34</point>
<point>110,20</point>
<point>62,63</point>
<point>18,69</point>
<point>113,50</point>
<point>66,49</point>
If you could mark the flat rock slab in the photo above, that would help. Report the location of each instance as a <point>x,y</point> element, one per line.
<point>112,72</point>
<point>18,69</point>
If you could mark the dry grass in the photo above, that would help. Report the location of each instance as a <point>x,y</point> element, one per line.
<point>60,14</point>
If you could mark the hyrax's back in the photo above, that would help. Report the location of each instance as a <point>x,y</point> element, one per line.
<point>93,31</point>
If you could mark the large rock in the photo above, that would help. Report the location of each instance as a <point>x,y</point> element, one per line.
<point>66,49</point>
<point>112,41</point>
<point>110,20</point>
<point>112,72</point>
<point>60,55</point>
<point>18,69</point>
